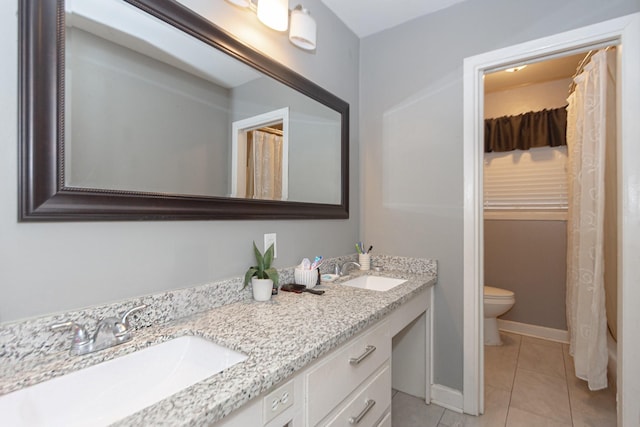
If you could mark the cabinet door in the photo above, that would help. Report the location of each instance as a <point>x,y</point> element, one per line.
<point>386,421</point>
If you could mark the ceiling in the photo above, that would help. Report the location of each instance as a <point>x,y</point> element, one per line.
<point>366,17</point>
<point>539,72</point>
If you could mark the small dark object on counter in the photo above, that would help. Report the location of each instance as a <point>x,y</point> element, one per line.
<point>298,289</point>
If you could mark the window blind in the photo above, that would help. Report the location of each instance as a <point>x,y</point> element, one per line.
<point>532,180</point>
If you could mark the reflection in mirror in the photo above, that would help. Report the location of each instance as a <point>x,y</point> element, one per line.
<point>143,116</point>
<point>138,109</point>
<point>265,176</point>
<point>260,156</point>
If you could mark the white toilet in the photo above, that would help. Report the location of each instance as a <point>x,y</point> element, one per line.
<point>496,302</point>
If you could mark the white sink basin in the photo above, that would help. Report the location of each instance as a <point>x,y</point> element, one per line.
<point>109,391</point>
<point>375,283</point>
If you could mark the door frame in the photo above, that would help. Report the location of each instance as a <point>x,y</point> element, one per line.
<point>239,130</point>
<point>626,32</point>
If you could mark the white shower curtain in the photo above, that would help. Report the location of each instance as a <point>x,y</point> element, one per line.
<point>267,164</point>
<point>586,137</point>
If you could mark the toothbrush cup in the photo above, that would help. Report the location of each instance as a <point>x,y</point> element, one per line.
<point>309,278</point>
<point>365,261</point>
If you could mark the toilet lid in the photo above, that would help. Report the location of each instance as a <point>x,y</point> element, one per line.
<point>492,292</point>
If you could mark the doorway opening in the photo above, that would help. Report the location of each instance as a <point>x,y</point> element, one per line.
<point>526,218</point>
<point>624,31</point>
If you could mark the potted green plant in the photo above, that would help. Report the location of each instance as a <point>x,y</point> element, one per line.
<point>263,277</point>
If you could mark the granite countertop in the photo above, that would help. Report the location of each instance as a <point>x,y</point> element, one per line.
<point>280,337</point>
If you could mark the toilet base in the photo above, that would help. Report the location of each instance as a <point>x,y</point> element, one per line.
<point>491,334</point>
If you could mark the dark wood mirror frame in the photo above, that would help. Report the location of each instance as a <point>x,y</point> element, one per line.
<point>41,190</point>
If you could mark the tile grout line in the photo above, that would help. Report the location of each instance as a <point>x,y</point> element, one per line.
<point>441,417</point>
<point>513,382</point>
<point>566,378</point>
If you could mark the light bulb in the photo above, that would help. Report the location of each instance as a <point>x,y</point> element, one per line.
<point>274,14</point>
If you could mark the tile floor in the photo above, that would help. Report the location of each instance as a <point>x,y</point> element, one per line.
<point>529,382</point>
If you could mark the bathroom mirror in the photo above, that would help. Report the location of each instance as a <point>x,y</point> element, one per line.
<point>144,110</point>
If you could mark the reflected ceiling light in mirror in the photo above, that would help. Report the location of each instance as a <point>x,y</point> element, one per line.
<point>275,14</point>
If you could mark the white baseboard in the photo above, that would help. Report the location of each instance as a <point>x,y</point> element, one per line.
<point>534,331</point>
<point>446,397</point>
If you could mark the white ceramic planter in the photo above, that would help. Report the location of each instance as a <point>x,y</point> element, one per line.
<point>261,289</point>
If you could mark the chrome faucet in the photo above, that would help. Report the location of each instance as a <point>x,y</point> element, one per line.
<point>109,332</point>
<point>344,266</point>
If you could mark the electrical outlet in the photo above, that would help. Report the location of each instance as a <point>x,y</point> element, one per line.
<point>277,401</point>
<point>270,238</point>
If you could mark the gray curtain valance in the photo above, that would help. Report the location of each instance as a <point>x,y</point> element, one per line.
<point>525,131</point>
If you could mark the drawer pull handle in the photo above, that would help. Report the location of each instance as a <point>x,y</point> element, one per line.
<point>367,351</point>
<point>369,404</point>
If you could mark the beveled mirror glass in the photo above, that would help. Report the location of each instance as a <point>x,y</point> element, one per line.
<point>142,109</point>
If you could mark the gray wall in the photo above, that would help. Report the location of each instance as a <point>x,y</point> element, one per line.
<point>530,259</point>
<point>411,131</point>
<point>182,122</point>
<point>51,267</point>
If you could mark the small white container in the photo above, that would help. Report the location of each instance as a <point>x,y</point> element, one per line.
<point>365,261</point>
<point>328,278</point>
<point>309,278</point>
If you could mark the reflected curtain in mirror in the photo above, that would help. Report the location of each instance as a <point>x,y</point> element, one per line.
<point>264,165</point>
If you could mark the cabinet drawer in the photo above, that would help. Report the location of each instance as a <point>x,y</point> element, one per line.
<point>331,381</point>
<point>386,421</point>
<point>368,405</point>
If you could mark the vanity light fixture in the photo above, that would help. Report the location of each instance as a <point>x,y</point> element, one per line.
<point>275,14</point>
<point>303,28</point>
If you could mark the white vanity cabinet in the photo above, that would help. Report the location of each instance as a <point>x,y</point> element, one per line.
<point>351,382</point>
<point>349,386</point>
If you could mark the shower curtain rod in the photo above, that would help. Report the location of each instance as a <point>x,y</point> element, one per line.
<point>270,130</point>
<point>582,64</point>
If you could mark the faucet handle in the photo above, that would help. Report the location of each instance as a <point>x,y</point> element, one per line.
<point>80,335</point>
<point>124,319</point>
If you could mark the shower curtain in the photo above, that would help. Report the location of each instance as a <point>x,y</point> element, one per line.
<point>266,166</point>
<point>586,137</point>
